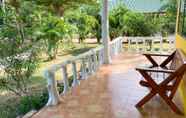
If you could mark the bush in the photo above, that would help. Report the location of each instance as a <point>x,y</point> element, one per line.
<point>32,102</point>
<point>8,110</point>
<point>36,101</point>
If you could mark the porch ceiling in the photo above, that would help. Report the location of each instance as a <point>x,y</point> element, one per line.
<point>111,93</point>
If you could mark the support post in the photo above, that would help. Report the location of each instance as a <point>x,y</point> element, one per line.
<point>105,32</point>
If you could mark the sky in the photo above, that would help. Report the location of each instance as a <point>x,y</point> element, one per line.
<point>140,5</point>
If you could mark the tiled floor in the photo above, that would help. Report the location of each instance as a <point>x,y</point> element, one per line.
<point>111,93</point>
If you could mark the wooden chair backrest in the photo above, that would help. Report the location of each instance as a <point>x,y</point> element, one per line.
<point>178,60</point>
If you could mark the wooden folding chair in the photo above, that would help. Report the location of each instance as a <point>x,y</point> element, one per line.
<point>168,86</point>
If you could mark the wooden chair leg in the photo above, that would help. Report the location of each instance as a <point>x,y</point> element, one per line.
<point>161,90</point>
<point>170,103</point>
<point>145,99</point>
<point>175,87</point>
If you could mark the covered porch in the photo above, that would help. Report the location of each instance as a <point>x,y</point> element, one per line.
<point>106,85</point>
<point>111,93</point>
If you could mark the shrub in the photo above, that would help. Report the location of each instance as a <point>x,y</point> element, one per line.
<point>8,110</point>
<point>32,102</point>
<point>36,101</point>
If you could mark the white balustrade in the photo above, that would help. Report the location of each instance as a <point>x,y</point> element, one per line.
<point>116,46</point>
<point>89,62</point>
<point>139,44</point>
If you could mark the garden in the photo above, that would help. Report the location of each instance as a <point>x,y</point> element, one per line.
<point>37,34</point>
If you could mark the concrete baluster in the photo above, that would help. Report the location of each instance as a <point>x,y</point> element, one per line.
<point>75,76</point>
<point>54,97</point>
<point>65,79</point>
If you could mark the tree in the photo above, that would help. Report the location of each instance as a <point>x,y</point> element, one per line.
<point>18,49</point>
<point>169,19</point>
<point>84,23</point>
<point>60,6</point>
<point>116,20</point>
<point>136,24</point>
<point>53,30</point>
<point>95,11</point>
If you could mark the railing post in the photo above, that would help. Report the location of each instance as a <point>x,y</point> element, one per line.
<point>100,57</point>
<point>65,79</point>
<point>136,43</point>
<point>83,67</point>
<point>129,43</point>
<point>116,47</point>
<point>161,43</point>
<point>54,97</point>
<point>153,48</point>
<point>74,70</point>
<point>90,65</point>
<point>95,61</point>
<point>121,44</point>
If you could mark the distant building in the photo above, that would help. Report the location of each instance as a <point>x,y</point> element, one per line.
<point>144,6</point>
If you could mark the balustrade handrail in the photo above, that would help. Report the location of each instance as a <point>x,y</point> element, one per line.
<point>56,67</point>
<point>90,61</point>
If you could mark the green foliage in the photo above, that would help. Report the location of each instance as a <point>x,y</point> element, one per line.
<point>60,6</point>
<point>85,23</point>
<point>95,11</point>
<point>24,104</point>
<point>125,22</point>
<point>8,109</point>
<point>116,21</point>
<point>32,102</point>
<point>168,21</point>
<point>53,30</point>
<point>136,24</point>
<point>18,49</point>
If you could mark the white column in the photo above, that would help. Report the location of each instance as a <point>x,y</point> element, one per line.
<point>105,32</point>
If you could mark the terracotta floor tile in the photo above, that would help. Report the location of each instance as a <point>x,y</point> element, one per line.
<point>111,93</point>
